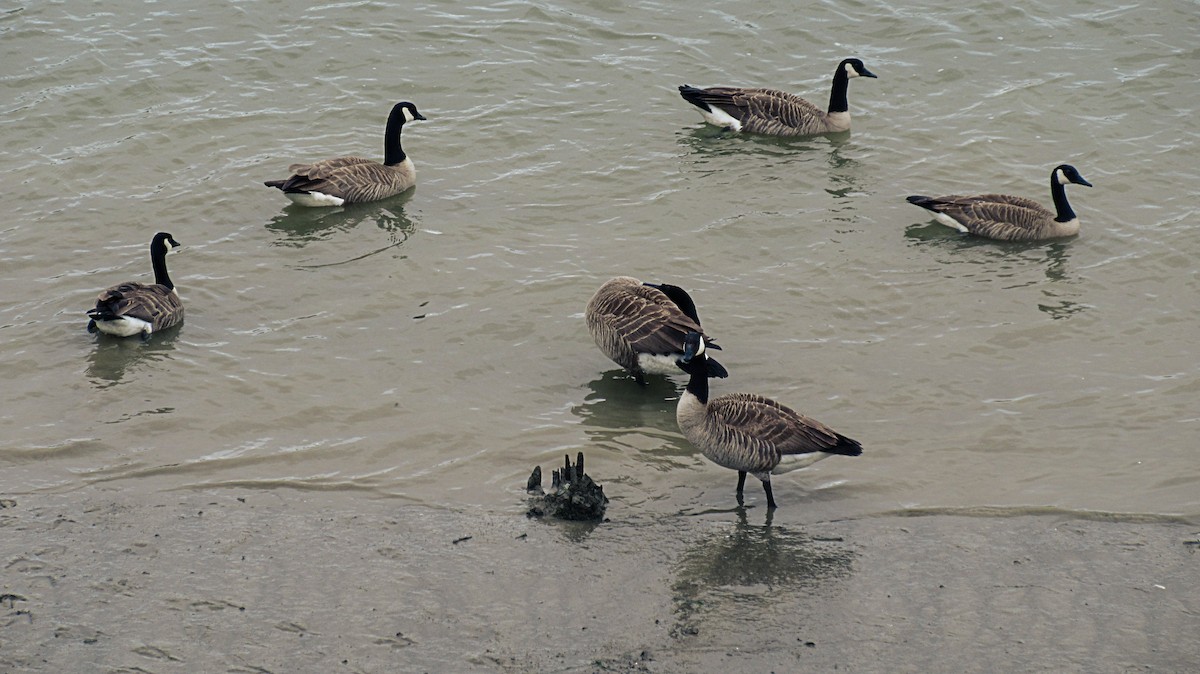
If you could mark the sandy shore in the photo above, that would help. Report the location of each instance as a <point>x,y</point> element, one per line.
<point>287,581</point>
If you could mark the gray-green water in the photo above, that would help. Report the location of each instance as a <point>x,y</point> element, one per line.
<point>432,347</point>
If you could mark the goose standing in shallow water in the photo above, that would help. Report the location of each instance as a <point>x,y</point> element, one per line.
<point>347,180</point>
<point>137,308</point>
<point>777,113</point>
<point>1009,218</point>
<point>641,326</point>
<point>747,432</point>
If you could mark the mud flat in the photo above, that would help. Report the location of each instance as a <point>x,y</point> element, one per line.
<point>294,581</point>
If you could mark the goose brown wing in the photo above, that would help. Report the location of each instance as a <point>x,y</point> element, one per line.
<point>671,325</point>
<point>1012,200</point>
<point>355,182</point>
<point>997,216</point>
<point>325,167</point>
<point>153,303</point>
<point>779,113</point>
<point>369,181</point>
<point>745,431</point>
<point>315,177</point>
<point>785,430</point>
<point>647,319</point>
<point>766,111</point>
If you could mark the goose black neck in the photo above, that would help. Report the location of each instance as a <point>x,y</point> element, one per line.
<point>681,299</point>
<point>158,259</point>
<point>837,97</point>
<point>1061,206</point>
<point>698,382</point>
<point>392,152</point>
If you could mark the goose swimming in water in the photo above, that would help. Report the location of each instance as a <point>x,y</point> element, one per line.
<point>133,308</point>
<point>347,180</point>
<point>1009,218</point>
<point>777,113</point>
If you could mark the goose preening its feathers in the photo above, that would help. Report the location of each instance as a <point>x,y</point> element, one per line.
<point>642,326</point>
<point>777,113</point>
<point>747,432</point>
<point>345,180</point>
<point>137,308</point>
<point>1010,218</point>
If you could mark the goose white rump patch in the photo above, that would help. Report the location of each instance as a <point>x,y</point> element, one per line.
<point>949,221</point>
<point>718,117</point>
<point>124,327</point>
<point>314,199</point>
<point>792,462</point>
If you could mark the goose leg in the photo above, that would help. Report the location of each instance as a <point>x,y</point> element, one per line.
<point>741,481</point>
<point>770,496</point>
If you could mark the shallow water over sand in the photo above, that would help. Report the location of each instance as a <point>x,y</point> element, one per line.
<point>432,348</point>
<point>323,469</point>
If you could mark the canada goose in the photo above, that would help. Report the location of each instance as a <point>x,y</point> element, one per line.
<point>641,326</point>
<point>1009,218</point>
<point>777,113</point>
<point>345,180</point>
<point>137,308</point>
<point>747,432</point>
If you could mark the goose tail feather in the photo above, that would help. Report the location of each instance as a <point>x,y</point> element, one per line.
<point>845,447</point>
<point>694,96</point>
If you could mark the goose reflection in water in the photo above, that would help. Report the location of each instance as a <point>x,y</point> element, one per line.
<point>1008,264</point>
<point>115,357</point>
<point>709,141</point>
<point>299,226</point>
<point>636,421</point>
<point>616,404</point>
<point>741,569</point>
<point>1063,285</point>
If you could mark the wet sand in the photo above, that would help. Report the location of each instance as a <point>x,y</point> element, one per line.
<point>291,581</point>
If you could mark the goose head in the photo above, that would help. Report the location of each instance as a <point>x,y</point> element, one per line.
<point>694,360</point>
<point>855,68</point>
<point>1065,174</point>
<point>404,112</point>
<point>163,242</point>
